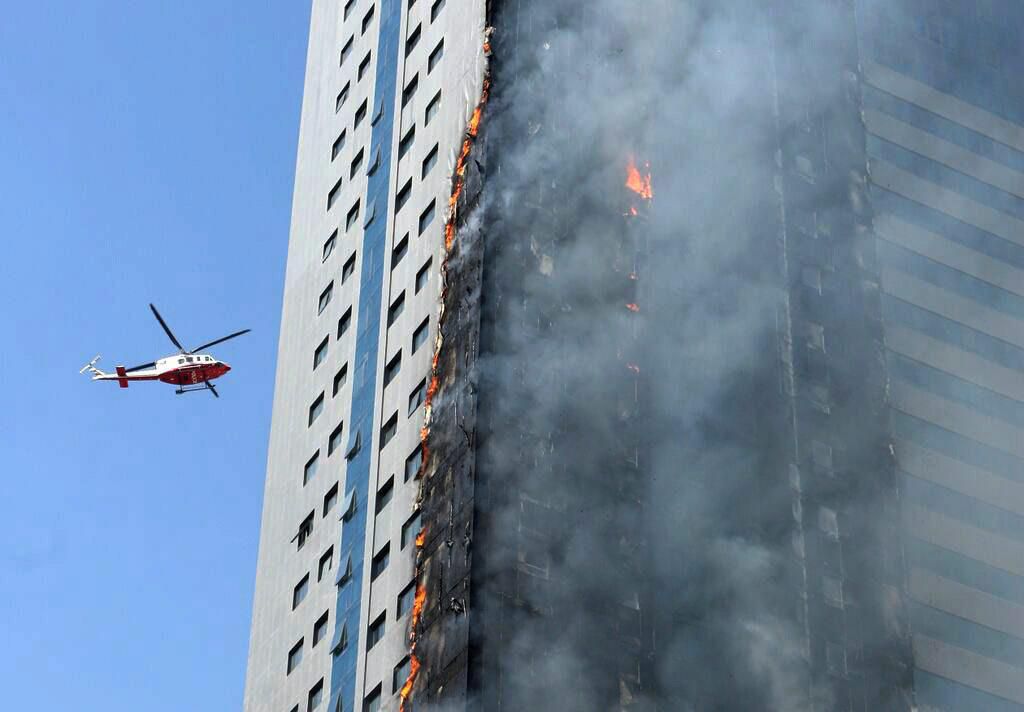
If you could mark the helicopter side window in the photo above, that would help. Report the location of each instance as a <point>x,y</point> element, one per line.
<point>189,359</point>
<point>181,360</point>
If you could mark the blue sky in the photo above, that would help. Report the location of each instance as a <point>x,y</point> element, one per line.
<point>146,154</point>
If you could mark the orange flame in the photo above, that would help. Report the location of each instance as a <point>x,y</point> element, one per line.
<point>421,538</point>
<point>633,307</point>
<point>414,668</point>
<point>639,183</point>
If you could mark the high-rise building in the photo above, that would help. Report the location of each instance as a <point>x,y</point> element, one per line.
<point>703,396</point>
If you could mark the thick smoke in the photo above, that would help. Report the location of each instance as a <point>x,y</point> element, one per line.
<point>657,517</point>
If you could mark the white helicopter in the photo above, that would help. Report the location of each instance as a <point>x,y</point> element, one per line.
<point>188,370</point>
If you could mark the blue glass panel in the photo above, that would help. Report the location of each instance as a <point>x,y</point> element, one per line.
<point>965,570</point>
<point>940,693</point>
<point>962,508</point>
<point>967,635</point>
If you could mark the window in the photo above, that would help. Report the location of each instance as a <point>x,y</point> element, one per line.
<point>321,353</point>
<point>367,19</point>
<point>388,430</point>
<point>396,309</point>
<point>342,97</point>
<point>340,379</point>
<point>295,656</point>
<point>339,143</point>
<point>316,695</point>
<point>330,499</point>
<point>344,322</point>
<point>357,163</point>
<point>413,463</point>
<point>374,164</point>
<point>309,471</point>
<point>427,216</point>
<point>332,197</point>
<point>423,276</point>
<point>399,251</point>
<point>372,702</point>
<point>432,108</point>
<point>384,495</point>
<point>305,529</point>
<point>832,589</point>
<point>413,40</point>
<point>353,215</point>
<point>359,115</point>
<point>418,395</point>
<point>405,599</point>
<point>334,442</point>
<point>346,51</point>
<point>349,268</point>
<point>375,631</point>
<point>316,409</point>
<point>300,591</point>
<point>325,298</point>
<point>435,9</point>
<point>378,115</point>
<point>329,246</point>
<point>411,529</point>
<point>815,336</point>
<point>363,66</point>
<point>428,162</point>
<point>348,8</point>
<point>326,561</point>
<point>410,90</point>
<point>406,143</point>
<point>320,628</point>
<point>419,337</point>
<point>392,369</point>
<point>435,56</point>
<point>400,674</point>
<point>371,213</point>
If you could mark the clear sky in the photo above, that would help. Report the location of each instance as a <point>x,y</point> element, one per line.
<point>147,152</point>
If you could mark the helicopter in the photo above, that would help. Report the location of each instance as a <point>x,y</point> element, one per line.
<point>188,370</point>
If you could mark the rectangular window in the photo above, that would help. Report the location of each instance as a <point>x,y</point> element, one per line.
<point>435,9</point>
<point>316,409</point>
<point>423,276</point>
<point>428,162</point>
<point>399,251</point>
<point>349,268</point>
<point>325,298</point>
<point>320,628</point>
<point>413,40</point>
<point>418,395</point>
<point>305,529</point>
<point>300,591</point>
<point>334,442</point>
<point>353,215</point>
<point>413,463</point>
<point>339,143</point>
<point>340,378</point>
<point>396,309</point>
<point>367,19</point>
<point>411,529</point>
<point>342,97</point>
<point>321,353</point>
<point>346,51</point>
<point>401,674</point>
<point>329,246</point>
<point>406,143</point>
<point>410,90</point>
<point>384,495</point>
<point>325,565</point>
<point>388,430</point>
<point>295,656</point>
<point>432,108</point>
<point>332,197</point>
<point>359,115</point>
<point>392,369</point>
<point>419,337</point>
<point>344,322</point>
<point>316,695</point>
<point>357,163</point>
<point>375,632</point>
<point>405,599</point>
<point>363,66</point>
<point>435,56</point>
<point>330,499</point>
<point>380,562</point>
<point>372,701</point>
<point>427,216</point>
<point>309,471</point>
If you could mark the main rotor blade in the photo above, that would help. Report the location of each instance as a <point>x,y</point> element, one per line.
<point>219,341</point>
<point>167,328</point>
<point>139,368</point>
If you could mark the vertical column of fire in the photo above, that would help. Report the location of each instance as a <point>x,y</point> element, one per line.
<point>458,182</point>
<point>639,182</point>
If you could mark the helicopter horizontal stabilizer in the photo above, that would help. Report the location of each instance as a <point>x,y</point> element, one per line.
<point>121,380</point>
